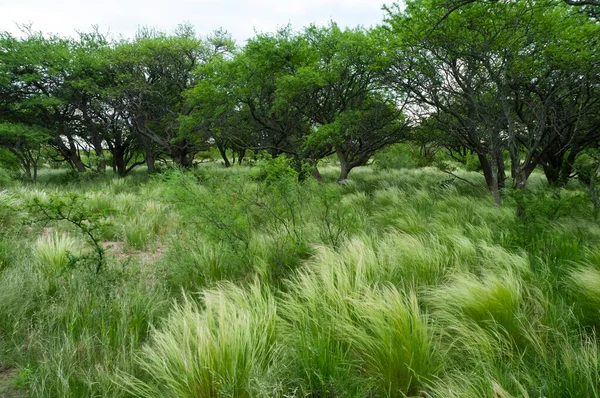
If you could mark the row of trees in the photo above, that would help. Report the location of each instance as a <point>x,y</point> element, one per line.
<point>518,78</point>
<point>308,95</point>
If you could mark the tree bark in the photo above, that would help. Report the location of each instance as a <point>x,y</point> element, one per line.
<point>224,155</point>
<point>317,174</point>
<point>593,194</point>
<point>344,167</point>
<point>150,160</point>
<point>495,184</point>
<point>567,166</point>
<point>487,170</point>
<point>78,163</point>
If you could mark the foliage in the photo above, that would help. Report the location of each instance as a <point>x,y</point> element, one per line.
<point>72,210</point>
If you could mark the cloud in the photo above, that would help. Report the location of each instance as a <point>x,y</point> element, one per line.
<point>240,18</point>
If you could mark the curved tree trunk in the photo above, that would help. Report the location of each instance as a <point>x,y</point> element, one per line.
<point>224,155</point>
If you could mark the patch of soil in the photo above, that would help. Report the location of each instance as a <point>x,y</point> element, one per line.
<point>7,387</point>
<point>120,251</point>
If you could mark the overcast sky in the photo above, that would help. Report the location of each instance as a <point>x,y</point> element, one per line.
<point>240,18</point>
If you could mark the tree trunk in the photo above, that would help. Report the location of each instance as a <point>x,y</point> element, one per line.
<point>223,155</point>
<point>316,174</point>
<point>241,155</point>
<point>521,175</point>
<point>119,162</point>
<point>553,174</point>
<point>593,194</point>
<point>76,161</point>
<point>501,172</point>
<point>100,154</point>
<point>567,166</point>
<point>487,170</point>
<point>344,167</point>
<point>27,169</point>
<point>495,184</point>
<point>150,160</point>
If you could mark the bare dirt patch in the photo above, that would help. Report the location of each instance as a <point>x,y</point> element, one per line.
<point>7,386</point>
<point>120,252</point>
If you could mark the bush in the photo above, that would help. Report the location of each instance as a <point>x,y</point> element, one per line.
<point>400,156</point>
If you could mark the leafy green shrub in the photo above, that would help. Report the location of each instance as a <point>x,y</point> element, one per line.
<point>72,209</point>
<point>6,178</point>
<point>399,156</point>
<point>276,170</point>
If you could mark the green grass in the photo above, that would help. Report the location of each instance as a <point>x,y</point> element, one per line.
<point>244,282</point>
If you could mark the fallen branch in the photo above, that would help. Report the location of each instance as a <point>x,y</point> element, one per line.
<point>463,179</point>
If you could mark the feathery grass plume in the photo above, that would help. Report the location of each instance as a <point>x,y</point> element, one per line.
<point>274,257</point>
<point>148,221</point>
<point>226,349</point>
<point>10,213</point>
<point>94,335</point>
<point>54,251</point>
<point>315,310</point>
<point>578,370</point>
<point>99,202</point>
<point>414,260</point>
<point>392,343</point>
<point>583,284</point>
<point>126,203</point>
<point>137,232</point>
<point>496,258</point>
<point>336,326</point>
<point>23,291</point>
<point>495,302</point>
<point>118,186</point>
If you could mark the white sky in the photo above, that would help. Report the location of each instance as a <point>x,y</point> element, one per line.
<point>238,17</point>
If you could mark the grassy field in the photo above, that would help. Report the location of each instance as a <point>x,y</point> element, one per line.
<point>244,282</point>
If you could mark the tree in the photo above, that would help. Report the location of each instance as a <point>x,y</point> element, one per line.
<point>498,76</point>
<point>339,91</point>
<point>153,73</point>
<point>25,143</point>
<point>266,59</point>
<point>33,89</point>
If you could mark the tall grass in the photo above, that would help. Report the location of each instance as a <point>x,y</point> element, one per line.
<point>227,348</point>
<point>55,251</point>
<point>245,282</point>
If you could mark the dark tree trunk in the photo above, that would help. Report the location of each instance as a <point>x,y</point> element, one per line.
<point>501,172</point>
<point>27,169</point>
<point>77,163</point>
<point>552,173</point>
<point>119,162</point>
<point>316,174</point>
<point>593,193</point>
<point>150,160</point>
<point>241,154</point>
<point>567,166</point>
<point>495,182</point>
<point>100,154</point>
<point>223,155</point>
<point>487,169</point>
<point>35,172</point>
<point>344,166</point>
